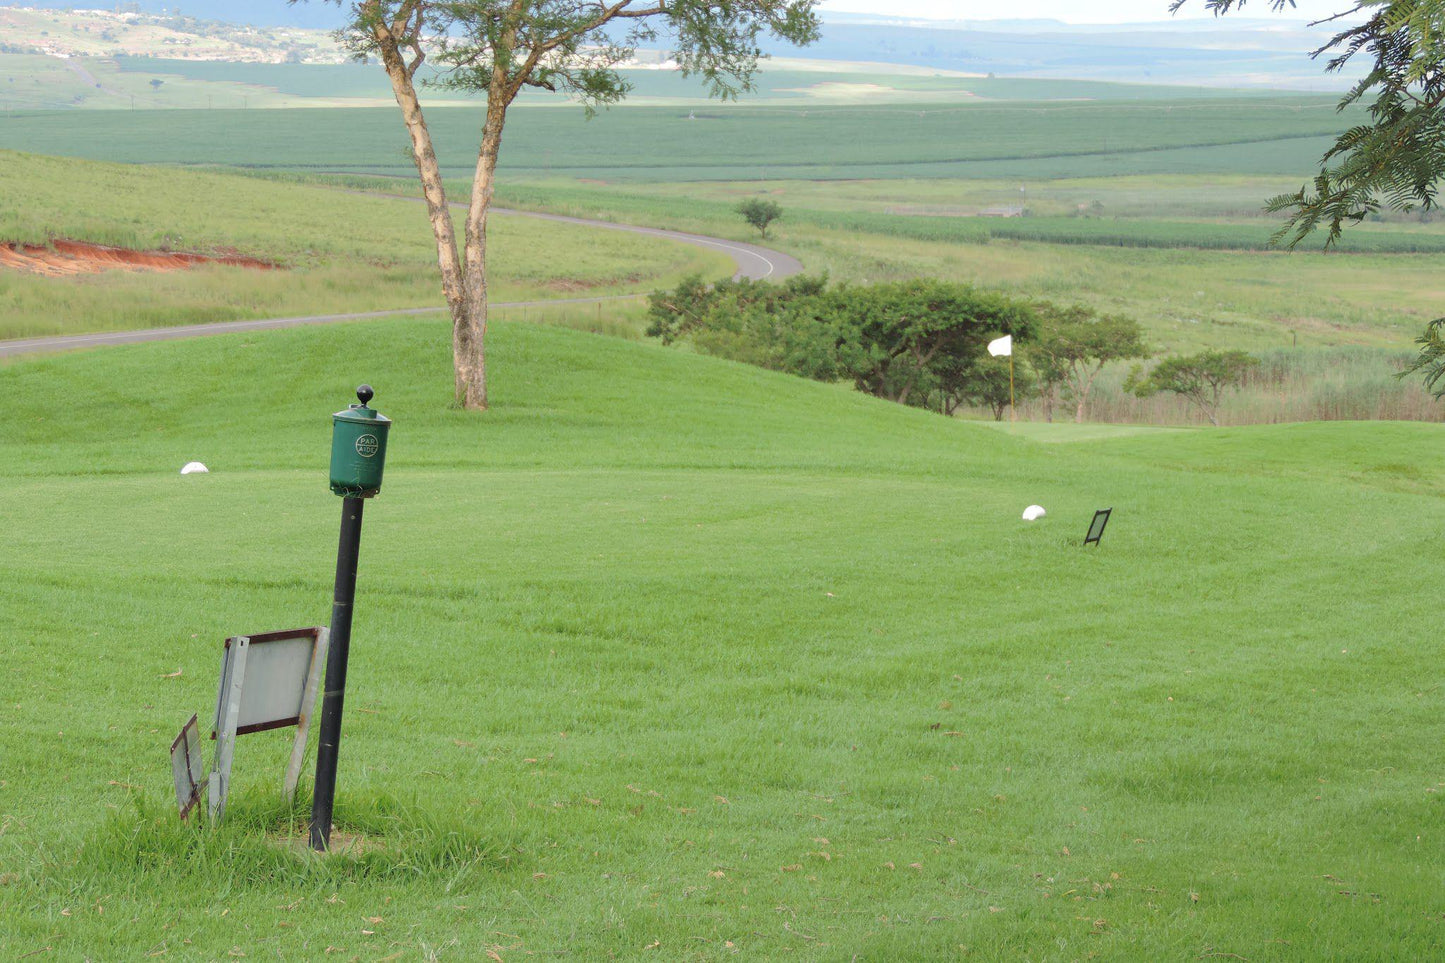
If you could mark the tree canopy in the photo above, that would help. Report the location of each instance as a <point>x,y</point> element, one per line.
<point>1202,378</point>
<point>1397,159</point>
<point>501,47</point>
<point>760,213</point>
<point>988,382</point>
<point>757,322</point>
<point>914,342</point>
<point>893,338</point>
<point>1072,347</point>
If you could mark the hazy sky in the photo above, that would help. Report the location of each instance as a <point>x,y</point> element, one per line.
<point>1073,11</point>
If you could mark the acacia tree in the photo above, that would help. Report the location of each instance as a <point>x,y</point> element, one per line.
<point>1397,158</point>
<point>1202,378</point>
<point>500,48</point>
<point>1075,343</point>
<point>1051,371</point>
<point>760,213</point>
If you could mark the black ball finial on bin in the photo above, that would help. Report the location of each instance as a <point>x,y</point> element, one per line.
<point>364,394</point>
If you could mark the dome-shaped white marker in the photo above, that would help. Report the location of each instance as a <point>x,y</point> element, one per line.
<point>1033,512</point>
<point>194,468</point>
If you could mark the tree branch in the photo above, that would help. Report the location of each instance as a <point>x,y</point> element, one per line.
<point>605,15</point>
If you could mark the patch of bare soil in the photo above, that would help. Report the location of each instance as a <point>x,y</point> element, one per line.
<point>63,258</point>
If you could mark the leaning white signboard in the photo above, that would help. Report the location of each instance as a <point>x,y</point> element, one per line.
<point>267,681</point>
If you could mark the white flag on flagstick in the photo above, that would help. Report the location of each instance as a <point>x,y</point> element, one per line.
<point>1003,347</point>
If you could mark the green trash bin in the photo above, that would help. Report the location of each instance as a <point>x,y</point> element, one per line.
<point>358,448</point>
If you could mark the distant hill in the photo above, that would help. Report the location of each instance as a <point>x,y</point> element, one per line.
<point>260,13</point>
<point>1227,52</point>
<point>1223,52</point>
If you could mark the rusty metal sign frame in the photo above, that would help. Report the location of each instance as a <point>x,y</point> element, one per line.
<point>231,721</point>
<point>187,767</point>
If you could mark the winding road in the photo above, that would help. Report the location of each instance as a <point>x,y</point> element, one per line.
<point>751,260</point>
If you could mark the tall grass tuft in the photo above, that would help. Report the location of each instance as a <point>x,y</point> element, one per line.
<point>261,840</point>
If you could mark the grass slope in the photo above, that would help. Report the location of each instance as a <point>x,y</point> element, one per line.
<point>673,658</point>
<point>341,252</point>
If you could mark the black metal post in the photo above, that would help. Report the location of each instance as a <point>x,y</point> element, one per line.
<point>334,695</point>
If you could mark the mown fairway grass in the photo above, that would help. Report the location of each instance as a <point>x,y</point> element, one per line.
<point>337,252</point>
<point>671,658</point>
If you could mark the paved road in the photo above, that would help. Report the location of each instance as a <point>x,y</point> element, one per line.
<point>752,262</point>
<point>88,78</point>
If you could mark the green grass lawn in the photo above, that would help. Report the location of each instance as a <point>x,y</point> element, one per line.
<point>671,658</point>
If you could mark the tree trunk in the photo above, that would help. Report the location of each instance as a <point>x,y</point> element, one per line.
<point>464,273</point>
<point>1086,386</point>
<point>1211,408</point>
<point>1076,385</point>
<point>469,324</point>
<point>425,158</point>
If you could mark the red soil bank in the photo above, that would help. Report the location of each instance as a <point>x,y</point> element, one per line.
<point>65,258</point>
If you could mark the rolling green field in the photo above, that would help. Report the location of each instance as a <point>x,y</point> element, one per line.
<point>722,143</point>
<point>338,252</point>
<point>672,202</point>
<point>670,658</point>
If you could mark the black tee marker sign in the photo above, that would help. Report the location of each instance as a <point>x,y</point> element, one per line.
<point>1096,528</point>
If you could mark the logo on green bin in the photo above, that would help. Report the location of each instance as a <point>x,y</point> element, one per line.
<point>367,445</point>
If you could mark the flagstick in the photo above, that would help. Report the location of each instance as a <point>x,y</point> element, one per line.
<point>1012,411</point>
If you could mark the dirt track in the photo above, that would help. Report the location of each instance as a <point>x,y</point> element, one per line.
<point>68,258</point>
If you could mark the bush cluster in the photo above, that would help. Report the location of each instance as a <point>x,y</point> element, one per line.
<point>918,342</point>
<point>924,342</point>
